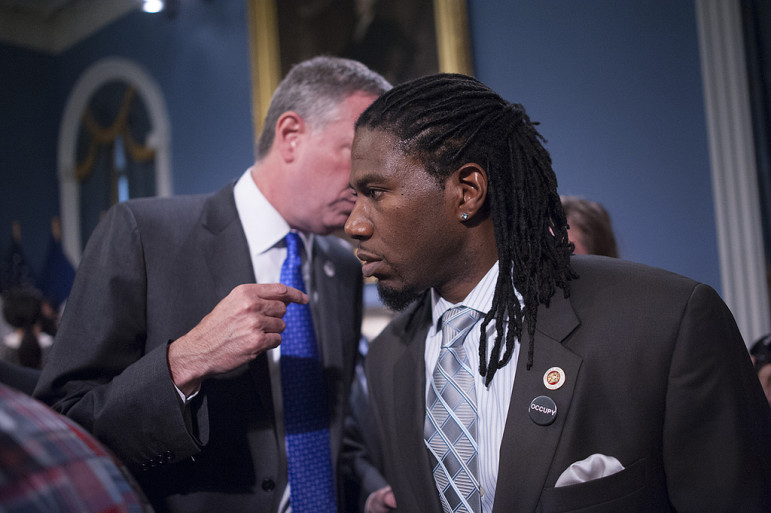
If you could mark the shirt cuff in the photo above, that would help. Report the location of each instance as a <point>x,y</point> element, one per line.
<point>182,397</point>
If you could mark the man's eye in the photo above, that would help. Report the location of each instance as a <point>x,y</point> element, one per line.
<point>374,193</point>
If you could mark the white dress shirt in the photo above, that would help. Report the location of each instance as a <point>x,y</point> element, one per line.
<point>492,401</point>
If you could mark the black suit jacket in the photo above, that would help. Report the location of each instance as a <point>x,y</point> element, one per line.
<point>657,377</point>
<point>151,271</point>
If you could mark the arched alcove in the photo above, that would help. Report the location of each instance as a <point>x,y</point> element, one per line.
<point>102,72</point>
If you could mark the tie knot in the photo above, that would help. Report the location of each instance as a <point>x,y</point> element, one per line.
<point>294,245</point>
<point>456,323</point>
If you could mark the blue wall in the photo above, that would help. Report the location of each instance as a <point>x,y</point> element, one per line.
<point>616,87</point>
<point>200,59</point>
<point>29,191</point>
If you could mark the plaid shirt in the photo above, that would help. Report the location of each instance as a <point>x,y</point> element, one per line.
<point>49,464</point>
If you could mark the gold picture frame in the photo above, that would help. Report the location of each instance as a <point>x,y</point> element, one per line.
<point>452,45</point>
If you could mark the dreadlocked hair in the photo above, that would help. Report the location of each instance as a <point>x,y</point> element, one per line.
<point>447,120</point>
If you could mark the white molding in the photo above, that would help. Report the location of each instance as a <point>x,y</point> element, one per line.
<point>734,170</point>
<point>101,72</point>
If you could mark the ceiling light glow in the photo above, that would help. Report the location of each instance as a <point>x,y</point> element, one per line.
<point>152,6</point>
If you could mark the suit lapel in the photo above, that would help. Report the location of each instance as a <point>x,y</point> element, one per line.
<point>224,235</point>
<point>326,305</point>
<point>409,396</point>
<point>330,303</point>
<point>527,448</point>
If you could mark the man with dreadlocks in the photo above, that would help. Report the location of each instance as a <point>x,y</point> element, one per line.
<point>576,382</point>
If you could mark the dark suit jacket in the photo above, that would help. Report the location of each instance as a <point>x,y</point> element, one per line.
<point>21,378</point>
<point>657,377</point>
<point>362,454</point>
<point>151,271</point>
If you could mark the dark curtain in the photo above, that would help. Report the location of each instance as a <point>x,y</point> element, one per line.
<point>756,17</point>
<point>98,188</point>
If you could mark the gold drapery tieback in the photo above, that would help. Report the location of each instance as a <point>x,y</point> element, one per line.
<point>101,136</point>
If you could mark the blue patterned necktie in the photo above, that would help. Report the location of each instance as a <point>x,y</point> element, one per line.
<point>450,430</point>
<point>306,417</point>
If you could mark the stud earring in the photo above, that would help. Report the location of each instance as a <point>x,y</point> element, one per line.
<point>464,216</point>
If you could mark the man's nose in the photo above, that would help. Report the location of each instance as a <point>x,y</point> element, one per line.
<point>357,227</point>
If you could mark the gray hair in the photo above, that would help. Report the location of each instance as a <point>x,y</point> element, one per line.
<point>314,89</point>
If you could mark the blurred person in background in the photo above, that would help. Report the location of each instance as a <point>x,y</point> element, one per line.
<point>590,229</point>
<point>29,343</point>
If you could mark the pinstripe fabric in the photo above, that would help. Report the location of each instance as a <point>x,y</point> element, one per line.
<point>492,402</point>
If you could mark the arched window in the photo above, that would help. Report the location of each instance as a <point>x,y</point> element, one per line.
<point>114,144</point>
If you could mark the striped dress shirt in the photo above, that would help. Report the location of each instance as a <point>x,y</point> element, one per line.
<point>492,401</point>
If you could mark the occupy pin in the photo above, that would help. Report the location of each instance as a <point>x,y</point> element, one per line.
<point>543,410</point>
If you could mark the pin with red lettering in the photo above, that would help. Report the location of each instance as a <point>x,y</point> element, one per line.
<point>543,410</point>
<point>554,378</point>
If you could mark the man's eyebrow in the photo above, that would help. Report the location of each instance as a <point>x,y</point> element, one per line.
<point>364,179</point>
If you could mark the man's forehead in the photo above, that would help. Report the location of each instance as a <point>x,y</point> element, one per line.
<point>367,141</point>
<point>368,167</point>
<point>376,156</point>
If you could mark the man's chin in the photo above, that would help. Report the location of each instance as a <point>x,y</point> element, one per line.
<point>397,299</point>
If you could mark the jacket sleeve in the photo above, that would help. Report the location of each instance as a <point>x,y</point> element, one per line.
<point>102,373</point>
<point>717,424</point>
<point>362,460</point>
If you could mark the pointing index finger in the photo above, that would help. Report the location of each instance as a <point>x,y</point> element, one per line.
<point>294,295</point>
<point>286,294</point>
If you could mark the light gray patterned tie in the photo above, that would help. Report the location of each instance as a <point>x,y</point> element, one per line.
<point>450,430</point>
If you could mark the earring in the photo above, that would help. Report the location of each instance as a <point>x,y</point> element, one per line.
<point>464,216</point>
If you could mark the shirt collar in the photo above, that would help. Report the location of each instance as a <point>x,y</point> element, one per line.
<point>480,298</point>
<point>263,225</point>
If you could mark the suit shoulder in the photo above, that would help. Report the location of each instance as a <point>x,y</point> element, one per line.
<point>158,209</point>
<point>615,274</point>
<point>175,212</point>
<point>161,220</point>
<point>633,290</point>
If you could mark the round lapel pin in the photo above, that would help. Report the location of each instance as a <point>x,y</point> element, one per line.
<point>543,410</point>
<point>554,378</point>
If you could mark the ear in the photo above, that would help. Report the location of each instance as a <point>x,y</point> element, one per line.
<point>289,128</point>
<point>471,183</point>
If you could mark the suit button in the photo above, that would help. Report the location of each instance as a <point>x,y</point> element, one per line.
<point>268,484</point>
<point>145,466</point>
<point>168,456</point>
